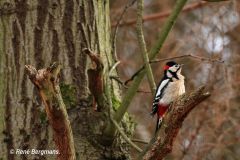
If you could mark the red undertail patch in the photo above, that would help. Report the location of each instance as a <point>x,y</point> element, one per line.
<point>162,109</point>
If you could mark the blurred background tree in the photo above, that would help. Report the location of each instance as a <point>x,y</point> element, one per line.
<point>204,29</point>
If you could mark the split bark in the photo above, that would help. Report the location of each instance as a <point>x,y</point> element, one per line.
<point>47,83</point>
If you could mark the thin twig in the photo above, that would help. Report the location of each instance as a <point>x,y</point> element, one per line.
<point>109,129</point>
<point>190,56</point>
<point>114,37</point>
<point>134,75</point>
<point>215,0</point>
<point>125,136</point>
<point>139,141</point>
<point>113,68</point>
<point>143,47</point>
<point>108,87</point>
<point>161,15</point>
<point>125,86</point>
<point>175,57</point>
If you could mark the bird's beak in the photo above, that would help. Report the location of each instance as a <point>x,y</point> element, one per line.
<point>181,65</point>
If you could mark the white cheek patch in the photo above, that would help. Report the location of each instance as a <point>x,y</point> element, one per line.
<point>169,74</point>
<point>173,69</point>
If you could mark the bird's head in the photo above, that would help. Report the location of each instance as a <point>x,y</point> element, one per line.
<point>173,67</point>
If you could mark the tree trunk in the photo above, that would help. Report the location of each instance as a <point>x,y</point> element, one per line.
<point>39,32</point>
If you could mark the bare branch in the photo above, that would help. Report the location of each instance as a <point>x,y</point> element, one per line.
<point>125,86</point>
<point>189,56</point>
<point>113,68</point>
<point>162,143</point>
<point>162,15</point>
<point>143,47</point>
<point>204,59</point>
<point>134,75</point>
<point>47,82</point>
<point>114,37</point>
<point>139,141</point>
<point>216,0</point>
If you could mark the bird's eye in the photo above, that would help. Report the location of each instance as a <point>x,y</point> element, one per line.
<point>176,65</point>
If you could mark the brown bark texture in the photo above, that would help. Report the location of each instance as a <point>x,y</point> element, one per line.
<point>162,143</point>
<point>47,83</point>
<point>39,32</point>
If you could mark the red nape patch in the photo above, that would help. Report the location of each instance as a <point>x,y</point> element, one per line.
<point>162,109</point>
<point>166,67</point>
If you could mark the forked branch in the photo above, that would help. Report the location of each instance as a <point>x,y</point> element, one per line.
<point>47,82</point>
<point>162,143</point>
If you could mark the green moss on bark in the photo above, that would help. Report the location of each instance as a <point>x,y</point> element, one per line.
<point>69,93</point>
<point>128,123</point>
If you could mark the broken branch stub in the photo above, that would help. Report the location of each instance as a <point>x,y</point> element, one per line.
<point>47,82</point>
<point>95,77</point>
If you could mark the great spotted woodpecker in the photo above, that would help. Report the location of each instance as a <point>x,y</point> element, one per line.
<point>170,87</point>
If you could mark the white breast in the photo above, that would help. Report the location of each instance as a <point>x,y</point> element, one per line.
<point>173,90</point>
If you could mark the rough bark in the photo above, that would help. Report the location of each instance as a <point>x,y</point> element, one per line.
<point>39,32</point>
<point>162,143</point>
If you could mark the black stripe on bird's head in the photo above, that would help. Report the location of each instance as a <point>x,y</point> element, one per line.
<point>172,66</point>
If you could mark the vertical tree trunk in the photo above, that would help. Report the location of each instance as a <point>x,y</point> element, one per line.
<point>39,32</point>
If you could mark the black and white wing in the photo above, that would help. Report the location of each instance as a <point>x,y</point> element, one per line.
<point>162,85</point>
